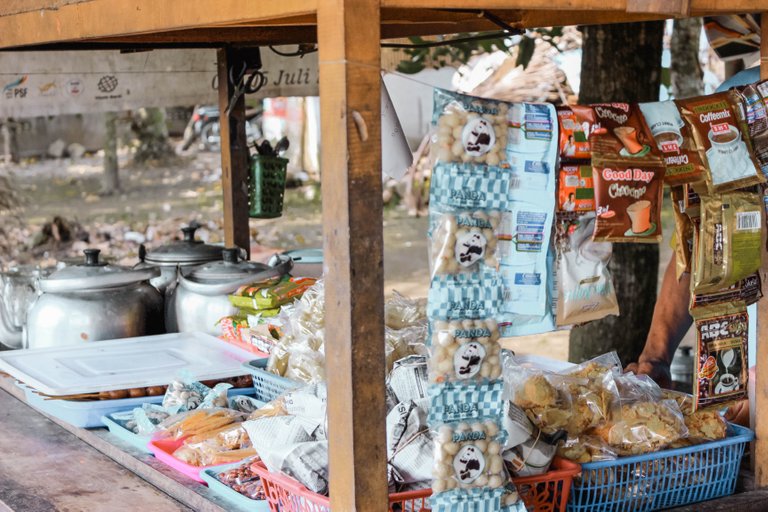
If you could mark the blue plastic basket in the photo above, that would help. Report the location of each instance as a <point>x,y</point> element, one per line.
<point>210,476</point>
<point>661,480</point>
<point>267,385</point>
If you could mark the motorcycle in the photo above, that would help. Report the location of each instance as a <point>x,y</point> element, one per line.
<point>205,126</point>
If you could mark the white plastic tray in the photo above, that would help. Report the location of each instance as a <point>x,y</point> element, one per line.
<point>124,364</point>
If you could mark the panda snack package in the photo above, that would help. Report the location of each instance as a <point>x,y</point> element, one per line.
<point>585,289</point>
<point>465,351</point>
<point>469,472</point>
<point>464,242</point>
<point>523,241</point>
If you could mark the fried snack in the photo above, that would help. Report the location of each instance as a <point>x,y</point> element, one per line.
<point>537,392</point>
<point>585,448</point>
<point>644,427</point>
<point>198,422</point>
<point>706,424</point>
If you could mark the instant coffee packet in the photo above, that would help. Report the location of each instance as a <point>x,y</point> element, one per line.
<point>754,98</point>
<point>729,241</point>
<point>683,233</point>
<point>721,137</point>
<point>721,368</point>
<point>628,174</point>
<point>749,290</point>
<point>575,188</point>
<point>576,124</point>
<point>674,140</point>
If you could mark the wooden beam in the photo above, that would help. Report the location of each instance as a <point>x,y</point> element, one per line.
<point>111,18</point>
<point>760,414</point>
<point>677,8</point>
<point>224,35</point>
<point>234,154</point>
<point>349,60</point>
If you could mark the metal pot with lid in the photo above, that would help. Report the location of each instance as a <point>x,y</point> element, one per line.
<point>201,298</point>
<point>94,301</point>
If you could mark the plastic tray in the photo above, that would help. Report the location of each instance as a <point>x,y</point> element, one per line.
<point>163,449</point>
<point>209,476</point>
<point>284,494</point>
<point>661,480</point>
<point>125,435</point>
<point>88,414</point>
<point>268,385</point>
<point>548,492</point>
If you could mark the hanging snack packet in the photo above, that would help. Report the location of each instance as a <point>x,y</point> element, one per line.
<point>465,351</point>
<point>628,173</point>
<point>469,129</point>
<point>575,189</point>
<point>628,201</point>
<point>692,202</point>
<point>674,140</point>
<point>721,138</point>
<point>749,290</point>
<point>754,98</point>
<point>532,148</point>
<point>729,241</point>
<point>575,127</point>
<point>457,187</point>
<point>524,238</point>
<point>683,233</point>
<point>463,242</point>
<point>464,296</point>
<point>721,349</point>
<point>584,285</point>
<point>469,469</point>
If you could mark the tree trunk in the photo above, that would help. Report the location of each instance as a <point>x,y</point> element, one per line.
<point>111,182</point>
<point>622,63</point>
<point>152,132</point>
<point>685,72</point>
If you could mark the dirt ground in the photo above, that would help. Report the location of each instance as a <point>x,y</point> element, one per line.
<point>155,202</point>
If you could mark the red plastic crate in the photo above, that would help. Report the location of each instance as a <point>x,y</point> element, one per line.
<point>548,492</point>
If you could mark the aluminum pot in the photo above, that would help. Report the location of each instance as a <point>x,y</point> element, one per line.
<point>18,291</point>
<point>94,301</point>
<point>201,298</point>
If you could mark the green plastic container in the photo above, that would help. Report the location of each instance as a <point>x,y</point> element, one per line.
<point>267,186</point>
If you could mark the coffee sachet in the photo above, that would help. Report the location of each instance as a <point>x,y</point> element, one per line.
<point>674,140</point>
<point>754,98</point>
<point>721,355</point>
<point>721,137</point>
<point>575,188</point>
<point>576,123</point>
<point>683,233</point>
<point>749,290</point>
<point>729,242</point>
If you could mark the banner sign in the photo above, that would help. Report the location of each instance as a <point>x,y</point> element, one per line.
<point>74,82</point>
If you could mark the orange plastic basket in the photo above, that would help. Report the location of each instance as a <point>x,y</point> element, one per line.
<point>284,494</point>
<point>548,492</point>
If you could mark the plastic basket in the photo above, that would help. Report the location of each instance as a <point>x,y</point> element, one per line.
<point>266,186</point>
<point>548,492</point>
<point>661,480</point>
<point>210,477</point>
<point>268,386</point>
<point>284,494</point>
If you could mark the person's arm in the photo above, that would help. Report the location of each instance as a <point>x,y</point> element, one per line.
<point>671,321</point>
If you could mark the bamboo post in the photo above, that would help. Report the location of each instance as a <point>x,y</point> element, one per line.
<point>349,59</point>
<point>234,155</point>
<point>760,453</point>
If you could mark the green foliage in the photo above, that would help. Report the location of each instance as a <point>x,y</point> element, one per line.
<point>462,51</point>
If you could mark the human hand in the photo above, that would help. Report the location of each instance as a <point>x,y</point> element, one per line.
<point>738,413</point>
<point>656,369</point>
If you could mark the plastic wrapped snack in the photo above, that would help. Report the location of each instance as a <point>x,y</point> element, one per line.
<point>243,480</point>
<point>244,404</point>
<point>706,425</point>
<point>270,295</point>
<point>542,395</point>
<point>586,448</point>
<point>184,396</point>
<point>468,466</point>
<point>644,427</point>
<point>461,242</point>
<point>198,422</point>
<point>403,343</point>
<point>401,312</point>
<point>147,418</point>
<point>465,350</point>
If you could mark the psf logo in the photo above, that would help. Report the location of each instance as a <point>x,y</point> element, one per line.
<point>15,88</point>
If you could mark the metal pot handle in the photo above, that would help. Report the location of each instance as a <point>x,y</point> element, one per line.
<point>278,270</point>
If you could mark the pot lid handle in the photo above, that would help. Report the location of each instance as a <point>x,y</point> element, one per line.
<point>189,233</point>
<point>92,258</point>
<point>231,254</point>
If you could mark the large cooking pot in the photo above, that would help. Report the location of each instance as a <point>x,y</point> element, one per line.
<point>201,298</point>
<point>18,291</point>
<point>94,301</point>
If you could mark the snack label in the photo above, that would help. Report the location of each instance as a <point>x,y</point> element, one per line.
<point>721,138</point>
<point>468,359</point>
<point>576,191</point>
<point>468,464</point>
<point>722,355</point>
<point>478,136</point>
<point>470,248</point>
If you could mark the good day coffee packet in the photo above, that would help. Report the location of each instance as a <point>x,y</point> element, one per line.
<point>721,137</point>
<point>628,174</point>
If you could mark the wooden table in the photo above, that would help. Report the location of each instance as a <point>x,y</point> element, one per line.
<point>349,34</point>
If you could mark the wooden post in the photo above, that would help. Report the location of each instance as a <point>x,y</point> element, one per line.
<point>234,155</point>
<point>349,59</point>
<point>760,452</point>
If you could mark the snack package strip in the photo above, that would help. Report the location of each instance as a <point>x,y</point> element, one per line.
<point>465,350</point>
<point>721,352</point>
<point>584,284</point>
<point>464,241</point>
<point>721,137</point>
<point>754,98</point>
<point>673,139</point>
<point>729,242</point>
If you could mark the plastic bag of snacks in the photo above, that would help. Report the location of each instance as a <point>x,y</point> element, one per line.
<point>544,396</point>
<point>465,351</point>
<point>243,481</point>
<point>401,312</point>
<point>198,422</point>
<point>721,137</point>
<point>729,243</point>
<point>586,448</point>
<point>584,284</point>
<point>468,466</point>
<point>721,352</point>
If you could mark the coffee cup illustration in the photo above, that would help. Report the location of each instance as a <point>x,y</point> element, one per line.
<point>725,141</point>
<point>628,137</point>
<point>728,382</point>
<point>640,214</point>
<point>668,141</point>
